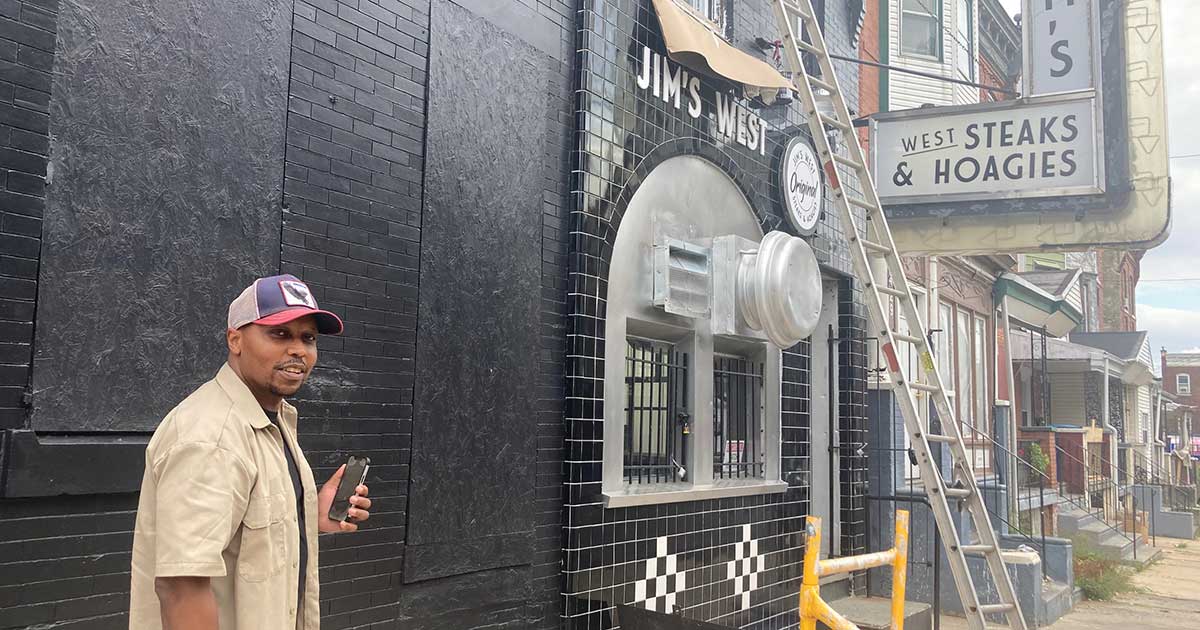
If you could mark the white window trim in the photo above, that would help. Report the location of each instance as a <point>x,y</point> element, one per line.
<point>1183,384</point>
<point>971,45</point>
<point>937,16</point>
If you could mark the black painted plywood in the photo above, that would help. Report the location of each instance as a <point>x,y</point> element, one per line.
<point>167,119</point>
<point>474,431</point>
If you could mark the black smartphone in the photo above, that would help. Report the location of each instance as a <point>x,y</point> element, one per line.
<point>355,474</point>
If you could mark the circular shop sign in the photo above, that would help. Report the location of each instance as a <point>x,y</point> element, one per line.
<point>800,183</point>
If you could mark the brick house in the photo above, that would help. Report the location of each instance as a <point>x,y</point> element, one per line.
<point>1181,376</point>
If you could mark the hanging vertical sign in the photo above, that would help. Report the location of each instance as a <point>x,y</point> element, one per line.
<point>1062,46</point>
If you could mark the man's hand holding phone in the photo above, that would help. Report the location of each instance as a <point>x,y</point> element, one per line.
<point>342,502</point>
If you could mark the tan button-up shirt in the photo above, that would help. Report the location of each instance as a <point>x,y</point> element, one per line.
<point>217,501</point>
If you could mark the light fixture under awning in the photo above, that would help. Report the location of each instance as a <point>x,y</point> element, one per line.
<point>692,43</point>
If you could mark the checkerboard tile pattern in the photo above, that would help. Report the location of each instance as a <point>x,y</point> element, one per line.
<point>664,580</point>
<point>745,567</point>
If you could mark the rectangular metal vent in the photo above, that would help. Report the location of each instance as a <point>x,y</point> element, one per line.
<point>682,276</point>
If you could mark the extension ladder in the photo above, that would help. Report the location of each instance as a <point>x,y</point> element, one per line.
<point>878,245</point>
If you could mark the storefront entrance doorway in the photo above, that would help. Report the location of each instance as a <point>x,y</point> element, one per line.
<point>826,485</point>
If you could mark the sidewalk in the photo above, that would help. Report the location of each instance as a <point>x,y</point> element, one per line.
<point>1169,597</point>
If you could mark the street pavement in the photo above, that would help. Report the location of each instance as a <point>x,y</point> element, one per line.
<point>1167,597</point>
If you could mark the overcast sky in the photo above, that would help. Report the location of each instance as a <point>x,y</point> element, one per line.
<point>1169,292</point>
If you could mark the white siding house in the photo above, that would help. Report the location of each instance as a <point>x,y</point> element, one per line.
<point>934,36</point>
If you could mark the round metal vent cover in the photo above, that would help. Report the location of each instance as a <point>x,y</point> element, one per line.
<point>779,289</point>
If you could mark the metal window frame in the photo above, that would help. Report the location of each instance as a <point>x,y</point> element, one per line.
<point>700,483</point>
<point>716,13</point>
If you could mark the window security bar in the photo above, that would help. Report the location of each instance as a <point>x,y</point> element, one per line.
<point>737,418</point>
<point>656,418</point>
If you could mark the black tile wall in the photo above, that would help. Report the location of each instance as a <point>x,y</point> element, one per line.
<point>703,550</point>
<point>27,55</point>
<point>352,230</point>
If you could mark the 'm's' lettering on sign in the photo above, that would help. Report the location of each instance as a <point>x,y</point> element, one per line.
<point>675,85</point>
<point>1019,150</point>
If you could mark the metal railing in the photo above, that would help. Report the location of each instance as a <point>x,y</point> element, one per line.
<point>924,562</point>
<point>1099,486</point>
<point>1146,471</point>
<point>985,453</point>
<point>814,609</point>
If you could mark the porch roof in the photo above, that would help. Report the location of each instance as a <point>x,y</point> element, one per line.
<point>1064,357</point>
<point>1131,347</point>
<point>1035,306</point>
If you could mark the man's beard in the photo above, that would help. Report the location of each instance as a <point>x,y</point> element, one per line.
<point>278,391</point>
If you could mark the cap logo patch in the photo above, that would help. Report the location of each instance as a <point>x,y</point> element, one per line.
<point>296,293</point>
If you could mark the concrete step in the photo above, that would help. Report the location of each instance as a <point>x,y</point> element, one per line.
<point>1071,520</point>
<point>1146,553</point>
<point>875,613</point>
<point>1098,534</point>
<point>1057,600</point>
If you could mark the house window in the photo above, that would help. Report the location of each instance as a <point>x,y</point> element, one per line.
<point>1183,384</point>
<point>944,343</point>
<point>920,28</point>
<point>965,40</point>
<point>982,404</point>
<point>655,403</point>
<point>737,418</point>
<point>711,10</point>
<point>964,367</point>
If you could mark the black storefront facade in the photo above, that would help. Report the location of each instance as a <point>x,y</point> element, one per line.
<point>451,179</point>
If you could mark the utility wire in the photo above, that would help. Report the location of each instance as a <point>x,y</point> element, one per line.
<point>927,75</point>
<point>958,41</point>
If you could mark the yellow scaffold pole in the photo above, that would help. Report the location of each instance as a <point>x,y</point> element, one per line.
<point>813,608</point>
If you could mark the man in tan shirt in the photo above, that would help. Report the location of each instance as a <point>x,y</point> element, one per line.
<point>226,534</point>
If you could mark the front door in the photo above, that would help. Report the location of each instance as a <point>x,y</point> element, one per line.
<point>824,370</point>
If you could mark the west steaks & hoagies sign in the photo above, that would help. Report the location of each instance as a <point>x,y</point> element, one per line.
<point>1039,148</point>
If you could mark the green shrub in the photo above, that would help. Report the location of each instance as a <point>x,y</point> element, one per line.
<point>1038,458</point>
<point>1098,577</point>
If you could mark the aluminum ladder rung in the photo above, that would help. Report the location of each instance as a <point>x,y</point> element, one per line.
<point>872,247</point>
<point>797,10</point>
<point>807,47</point>
<point>850,153</point>
<point>849,163</point>
<point>828,87</point>
<point>834,122</point>
<point>958,493</point>
<point>866,204</point>
<point>892,292</point>
<point>909,338</point>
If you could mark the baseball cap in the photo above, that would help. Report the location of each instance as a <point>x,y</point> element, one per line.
<point>278,300</point>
